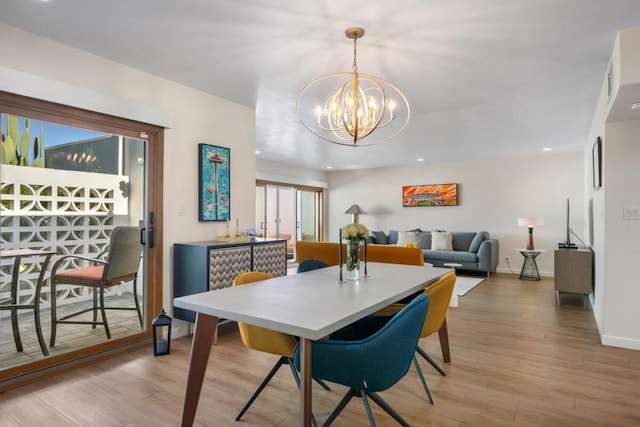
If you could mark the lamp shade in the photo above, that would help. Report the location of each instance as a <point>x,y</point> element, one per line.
<point>530,222</point>
<point>355,209</point>
<point>355,212</point>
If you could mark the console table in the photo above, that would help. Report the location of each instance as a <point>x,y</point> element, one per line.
<point>210,265</point>
<point>573,273</point>
<point>529,267</point>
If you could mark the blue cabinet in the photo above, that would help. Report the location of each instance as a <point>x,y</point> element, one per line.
<point>209,265</point>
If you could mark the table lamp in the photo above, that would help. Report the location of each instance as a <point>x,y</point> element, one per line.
<point>530,222</point>
<point>355,210</point>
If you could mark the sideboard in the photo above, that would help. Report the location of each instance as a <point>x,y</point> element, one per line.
<point>573,273</point>
<point>211,265</point>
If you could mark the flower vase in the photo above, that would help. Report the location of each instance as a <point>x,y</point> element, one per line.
<point>353,259</point>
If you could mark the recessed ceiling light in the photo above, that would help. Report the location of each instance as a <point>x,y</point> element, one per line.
<point>329,167</point>
<point>420,159</point>
<point>546,149</point>
<point>257,152</point>
<point>635,106</point>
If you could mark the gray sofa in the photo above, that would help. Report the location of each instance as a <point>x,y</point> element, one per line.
<point>474,250</point>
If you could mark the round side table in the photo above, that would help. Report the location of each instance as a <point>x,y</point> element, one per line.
<point>529,267</point>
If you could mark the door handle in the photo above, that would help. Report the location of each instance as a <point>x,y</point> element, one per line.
<point>152,237</point>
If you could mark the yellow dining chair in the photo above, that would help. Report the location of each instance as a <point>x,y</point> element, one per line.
<point>440,297</point>
<point>268,341</point>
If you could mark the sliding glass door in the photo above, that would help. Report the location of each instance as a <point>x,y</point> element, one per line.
<point>66,185</point>
<point>307,209</point>
<point>288,212</point>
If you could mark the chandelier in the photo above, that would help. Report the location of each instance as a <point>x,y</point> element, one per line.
<point>347,108</point>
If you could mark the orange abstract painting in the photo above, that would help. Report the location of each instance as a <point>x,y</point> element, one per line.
<point>430,195</point>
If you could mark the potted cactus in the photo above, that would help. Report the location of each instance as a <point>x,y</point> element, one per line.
<point>15,146</point>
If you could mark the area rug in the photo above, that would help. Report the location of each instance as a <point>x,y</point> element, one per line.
<point>465,284</point>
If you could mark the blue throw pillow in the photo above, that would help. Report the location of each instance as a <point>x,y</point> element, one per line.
<point>477,241</point>
<point>379,238</point>
<point>423,239</point>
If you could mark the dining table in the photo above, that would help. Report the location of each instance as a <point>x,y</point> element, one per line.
<point>309,305</point>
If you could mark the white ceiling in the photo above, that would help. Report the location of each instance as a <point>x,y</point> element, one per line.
<point>484,78</point>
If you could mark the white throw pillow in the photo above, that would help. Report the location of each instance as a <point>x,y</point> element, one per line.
<point>406,236</point>
<point>441,241</point>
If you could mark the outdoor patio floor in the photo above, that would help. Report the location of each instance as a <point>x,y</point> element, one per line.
<point>69,336</point>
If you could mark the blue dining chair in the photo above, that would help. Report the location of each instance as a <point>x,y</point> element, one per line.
<point>439,296</point>
<point>372,364</point>
<point>311,264</point>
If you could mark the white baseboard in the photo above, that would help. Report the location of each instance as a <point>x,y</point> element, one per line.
<point>621,342</point>
<point>517,271</point>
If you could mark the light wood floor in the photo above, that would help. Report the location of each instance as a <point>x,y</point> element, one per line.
<point>517,359</point>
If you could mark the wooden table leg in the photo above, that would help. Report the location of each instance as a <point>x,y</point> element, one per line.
<point>305,387</point>
<point>443,334</point>
<point>200,348</point>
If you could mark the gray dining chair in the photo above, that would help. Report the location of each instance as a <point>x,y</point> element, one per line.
<point>120,265</point>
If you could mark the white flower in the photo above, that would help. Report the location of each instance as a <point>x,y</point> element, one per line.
<point>355,231</point>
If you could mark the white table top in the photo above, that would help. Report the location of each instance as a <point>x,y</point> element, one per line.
<point>312,304</point>
<point>531,250</point>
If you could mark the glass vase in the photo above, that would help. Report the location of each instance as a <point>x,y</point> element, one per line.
<point>353,259</point>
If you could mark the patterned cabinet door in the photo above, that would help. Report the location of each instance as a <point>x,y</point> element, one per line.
<point>271,258</point>
<point>226,263</point>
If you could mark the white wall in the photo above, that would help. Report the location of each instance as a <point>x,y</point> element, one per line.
<point>288,174</point>
<point>197,118</point>
<point>493,194</point>
<point>614,239</point>
<point>621,250</point>
<point>594,207</point>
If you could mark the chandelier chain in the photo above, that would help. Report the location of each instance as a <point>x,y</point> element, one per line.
<point>355,55</point>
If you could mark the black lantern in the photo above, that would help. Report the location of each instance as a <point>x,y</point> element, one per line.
<point>161,334</point>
